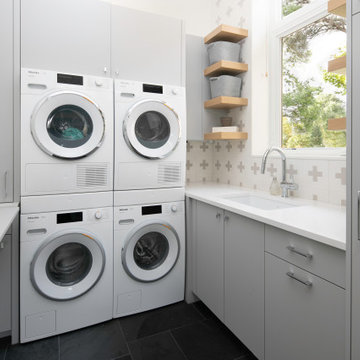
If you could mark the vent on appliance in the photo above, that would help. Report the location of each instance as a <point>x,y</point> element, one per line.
<point>92,175</point>
<point>169,173</point>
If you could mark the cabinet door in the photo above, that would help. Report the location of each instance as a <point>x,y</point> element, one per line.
<point>244,281</point>
<point>147,47</point>
<point>6,95</point>
<point>5,281</point>
<point>194,93</point>
<point>209,259</point>
<point>302,321</point>
<point>355,6</point>
<point>66,35</point>
<point>199,120</point>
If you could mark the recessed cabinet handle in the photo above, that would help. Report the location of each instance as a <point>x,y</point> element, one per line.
<point>305,282</point>
<point>306,255</point>
<point>218,215</point>
<point>5,184</point>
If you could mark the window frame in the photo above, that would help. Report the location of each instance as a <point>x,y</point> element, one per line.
<point>280,27</point>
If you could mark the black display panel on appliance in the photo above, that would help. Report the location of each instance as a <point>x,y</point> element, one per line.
<point>69,217</point>
<point>156,89</point>
<point>151,210</point>
<point>70,79</point>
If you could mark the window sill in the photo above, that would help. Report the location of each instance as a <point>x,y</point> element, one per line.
<point>321,154</point>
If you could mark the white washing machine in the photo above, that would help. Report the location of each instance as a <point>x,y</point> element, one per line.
<point>66,133</point>
<point>66,263</point>
<point>149,250</point>
<point>150,135</point>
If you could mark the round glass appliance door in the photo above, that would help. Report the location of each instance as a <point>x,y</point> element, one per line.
<point>152,129</point>
<point>67,125</point>
<point>150,252</point>
<point>67,265</point>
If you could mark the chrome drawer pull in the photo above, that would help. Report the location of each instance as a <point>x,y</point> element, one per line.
<point>226,218</point>
<point>218,215</point>
<point>305,282</point>
<point>299,252</point>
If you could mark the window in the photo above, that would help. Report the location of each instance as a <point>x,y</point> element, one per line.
<point>305,95</point>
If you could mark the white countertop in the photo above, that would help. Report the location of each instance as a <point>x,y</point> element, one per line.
<point>322,222</point>
<point>8,212</point>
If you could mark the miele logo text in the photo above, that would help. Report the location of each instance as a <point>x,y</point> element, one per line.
<point>33,217</point>
<point>123,209</point>
<point>34,72</point>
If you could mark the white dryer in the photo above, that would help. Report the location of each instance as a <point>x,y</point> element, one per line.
<point>149,250</point>
<point>66,263</point>
<point>66,133</point>
<point>150,135</point>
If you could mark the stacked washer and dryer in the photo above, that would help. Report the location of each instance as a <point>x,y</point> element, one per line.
<point>102,200</point>
<point>66,226</point>
<point>149,211</point>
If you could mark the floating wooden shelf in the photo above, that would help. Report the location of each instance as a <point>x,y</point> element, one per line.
<point>337,124</point>
<point>338,65</point>
<point>225,67</point>
<point>225,102</point>
<point>226,136</point>
<point>337,7</point>
<point>226,33</point>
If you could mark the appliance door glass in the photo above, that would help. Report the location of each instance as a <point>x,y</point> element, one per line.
<point>67,125</point>
<point>152,129</point>
<point>150,252</point>
<point>67,265</point>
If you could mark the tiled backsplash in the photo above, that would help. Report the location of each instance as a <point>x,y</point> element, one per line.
<point>228,162</point>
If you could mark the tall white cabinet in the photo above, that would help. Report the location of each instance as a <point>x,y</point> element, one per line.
<point>6,96</point>
<point>66,35</point>
<point>147,47</point>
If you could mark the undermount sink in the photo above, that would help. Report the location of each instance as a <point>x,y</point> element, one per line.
<point>259,202</point>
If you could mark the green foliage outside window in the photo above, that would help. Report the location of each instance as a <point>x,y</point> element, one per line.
<point>307,104</point>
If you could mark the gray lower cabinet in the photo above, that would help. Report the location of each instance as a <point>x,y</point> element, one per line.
<point>305,314</point>
<point>5,281</point>
<point>6,95</point>
<point>66,35</point>
<point>147,47</point>
<point>209,258</point>
<point>229,271</point>
<point>244,280</point>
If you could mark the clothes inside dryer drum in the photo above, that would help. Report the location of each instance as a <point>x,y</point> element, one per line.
<point>69,264</point>
<point>151,250</point>
<point>152,129</point>
<point>69,126</point>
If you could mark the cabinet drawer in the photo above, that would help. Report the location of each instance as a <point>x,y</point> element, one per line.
<point>319,259</point>
<point>304,314</point>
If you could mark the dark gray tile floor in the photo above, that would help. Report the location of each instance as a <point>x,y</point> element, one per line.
<point>176,332</point>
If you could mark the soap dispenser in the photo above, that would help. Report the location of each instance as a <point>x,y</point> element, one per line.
<point>275,187</point>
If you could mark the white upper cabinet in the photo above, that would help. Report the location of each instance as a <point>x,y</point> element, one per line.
<point>66,35</point>
<point>6,95</point>
<point>147,47</point>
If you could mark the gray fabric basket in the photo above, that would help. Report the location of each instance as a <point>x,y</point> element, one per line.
<point>225,85</point>
<point>223,50</point>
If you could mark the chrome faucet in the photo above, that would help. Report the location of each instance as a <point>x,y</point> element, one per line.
<point>285,186</point>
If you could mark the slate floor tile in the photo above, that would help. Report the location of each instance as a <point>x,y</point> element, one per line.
<point>204,310</point>
<point>208,340</point>
<point>46,349</point>
<point>4,343</point>
<point>159,320</point>
<point>156,347</point>
<point>100,342</point>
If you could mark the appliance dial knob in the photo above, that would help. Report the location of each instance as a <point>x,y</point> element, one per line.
<point>98,83</point>
<point>174,208</point>
<point>174,91</point>
<point>98,215</point>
